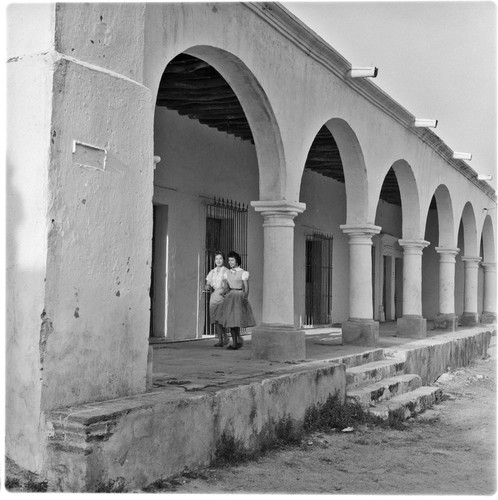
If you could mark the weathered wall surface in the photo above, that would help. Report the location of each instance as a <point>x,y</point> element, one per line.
<point>29,105</point>
<point>146,437</point>
<point>99,240</point>
<point>78,268</point>
<point>446,352</point>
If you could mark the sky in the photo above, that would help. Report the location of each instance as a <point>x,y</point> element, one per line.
<point>437,59</point>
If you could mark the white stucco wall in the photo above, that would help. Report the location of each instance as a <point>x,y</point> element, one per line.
<point>29,94</point>
<point>29,107</point>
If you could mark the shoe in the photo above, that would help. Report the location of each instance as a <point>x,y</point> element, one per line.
<point>219,344</point>
<point>232,348</point>
<point>241,342</point>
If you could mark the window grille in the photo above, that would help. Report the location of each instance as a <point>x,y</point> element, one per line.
<point>226,230</point>
<point>318,298</point>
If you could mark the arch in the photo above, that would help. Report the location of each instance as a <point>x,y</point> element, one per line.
<point>445,217</point>
<point>355,172</point>
<point>468,219</point>
<point>259,114</point>
<point>488,240</point>
<point>410,202</point>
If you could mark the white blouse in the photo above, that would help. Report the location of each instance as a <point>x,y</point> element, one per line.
<point>245,274</point>
<point>216,276</point>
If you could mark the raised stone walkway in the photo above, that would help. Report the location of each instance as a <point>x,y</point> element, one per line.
<point>204,398</point>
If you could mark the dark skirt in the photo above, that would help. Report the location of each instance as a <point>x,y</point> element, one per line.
<point>237,312</point>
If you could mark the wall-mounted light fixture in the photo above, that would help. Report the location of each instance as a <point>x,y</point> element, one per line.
<point>484,177</point>
<point>363,71</point>
<point>424,122</point>
<point>462,156</point>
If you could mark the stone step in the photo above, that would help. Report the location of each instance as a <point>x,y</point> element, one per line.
<point>361,375</point>
<point>408,404</point>
<point>362,358</point>
<point>384,389</point>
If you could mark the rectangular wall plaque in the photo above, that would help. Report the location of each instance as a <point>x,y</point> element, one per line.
<point>86,155</point>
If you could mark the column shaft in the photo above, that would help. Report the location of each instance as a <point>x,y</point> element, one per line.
<point>470,315</point>
<point>360,329</point>
<point>277,338</point>
<point>446,319</point>
<point>412,324</point>
<point>489,302</point>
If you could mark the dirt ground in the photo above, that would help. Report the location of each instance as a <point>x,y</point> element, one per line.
<point>450,449</point>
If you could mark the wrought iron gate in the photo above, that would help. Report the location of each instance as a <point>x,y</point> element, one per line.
<point>226,230</point>
<point>318,301</point>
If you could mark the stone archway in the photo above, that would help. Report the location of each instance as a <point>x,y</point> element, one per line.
<point>258,113</point>
<point>214,130</point>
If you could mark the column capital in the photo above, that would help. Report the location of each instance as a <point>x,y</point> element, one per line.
<point>447,255</point>
<point>489,266</point>
<point>413,246</point>
<point>278,213</point>
<point>360,229</point>
<point>471,259</point>
<point>447,250</point>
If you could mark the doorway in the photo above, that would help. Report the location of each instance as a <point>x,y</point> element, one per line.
<point>226,230</point>
<point>318,298</point>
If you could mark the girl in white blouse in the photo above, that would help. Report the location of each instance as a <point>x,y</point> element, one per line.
<point>214,284</point>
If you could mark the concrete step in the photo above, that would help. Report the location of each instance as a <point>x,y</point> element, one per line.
<point>408,404</point>
<point>361,375</point>
<point>384,389</point>
<point>362,358</point>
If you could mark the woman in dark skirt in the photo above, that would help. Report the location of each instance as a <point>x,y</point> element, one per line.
<point>237,312</point>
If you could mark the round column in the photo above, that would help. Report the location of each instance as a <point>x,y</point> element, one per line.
<point>446,319</point>
<point>277,338</point>
<point>360,329</point>
<point>471,269</point>
<point>489,306</point>
<point>412,324</point>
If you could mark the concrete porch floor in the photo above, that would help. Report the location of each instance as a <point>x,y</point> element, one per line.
<point>197,365</point>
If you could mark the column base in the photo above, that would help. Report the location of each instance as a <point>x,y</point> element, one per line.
<point>360,332</point>
<point>278,343</point>
<point>488,317</point>
<point>469,319</point>
<point>157,340</point>
<point>412,326</point>
<point>446,322</point>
